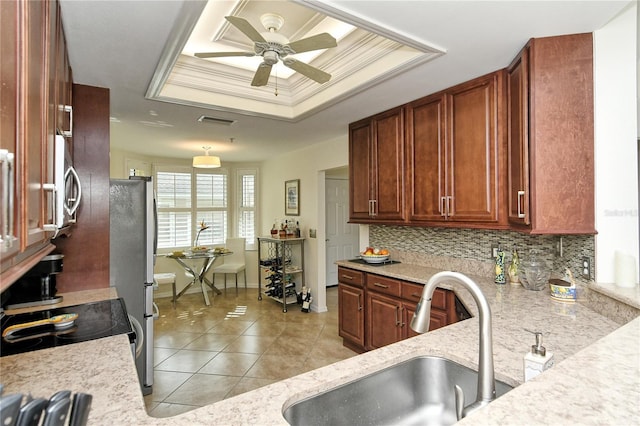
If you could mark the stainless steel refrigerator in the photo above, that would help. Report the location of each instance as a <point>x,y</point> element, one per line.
<point>133,242</point>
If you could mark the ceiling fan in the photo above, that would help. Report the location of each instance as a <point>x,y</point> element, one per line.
<point>273,47</point>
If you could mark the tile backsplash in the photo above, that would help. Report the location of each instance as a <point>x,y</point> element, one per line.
<point>427,245</point>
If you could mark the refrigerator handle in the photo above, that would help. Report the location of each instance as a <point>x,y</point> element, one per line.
<point>155,231</point>
<point>139,334</point>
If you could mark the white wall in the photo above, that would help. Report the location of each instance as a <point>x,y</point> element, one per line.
<point>616,150</point>
<point>308,165</point>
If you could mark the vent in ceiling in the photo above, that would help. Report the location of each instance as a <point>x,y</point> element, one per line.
<point>215,120</point>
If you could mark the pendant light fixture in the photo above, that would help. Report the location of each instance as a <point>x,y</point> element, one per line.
<point>206,161</point>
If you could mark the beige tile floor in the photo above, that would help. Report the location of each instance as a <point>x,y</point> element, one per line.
<point>205,354</point>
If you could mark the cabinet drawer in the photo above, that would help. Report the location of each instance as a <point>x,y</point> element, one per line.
<point>383,285</point>
<point>412,292</point>
<point>439,299</point>
<point>350,276</point>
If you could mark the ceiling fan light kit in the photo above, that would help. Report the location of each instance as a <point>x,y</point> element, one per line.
<point>274,47</point>
<point>206,161</point>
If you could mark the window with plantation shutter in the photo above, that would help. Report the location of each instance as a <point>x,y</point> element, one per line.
<point>211,205</point>
<point>173,197</point>
<point>188,197</point>
<point>247,206</point>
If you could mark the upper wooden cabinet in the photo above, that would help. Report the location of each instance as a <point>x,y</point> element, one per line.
<point>376,172</point>
<point>551,137</point>
<point>513,149</point>
<point>32,40</point>
<point>426,160</point>
<point>455,149</point>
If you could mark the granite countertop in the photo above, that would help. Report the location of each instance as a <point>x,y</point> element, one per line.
<point>596,379</point>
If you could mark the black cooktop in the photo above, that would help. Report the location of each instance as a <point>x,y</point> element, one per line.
<point>95,320</point>
<point>386,262</point>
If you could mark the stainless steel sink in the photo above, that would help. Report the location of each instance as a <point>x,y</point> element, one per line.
<point>417,391</point>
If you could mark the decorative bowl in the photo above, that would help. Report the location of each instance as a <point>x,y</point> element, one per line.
<point>562,290</point>
<point>199,249</point>
<point>374,258</point>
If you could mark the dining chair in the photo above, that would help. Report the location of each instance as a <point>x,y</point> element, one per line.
<point>167,278</point>
<point>233,263</point>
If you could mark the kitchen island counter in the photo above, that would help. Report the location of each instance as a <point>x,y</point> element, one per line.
<point>596,378</point>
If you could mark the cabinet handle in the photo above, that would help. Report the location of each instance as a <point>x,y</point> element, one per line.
<point>52,227</point>
<point>520,209</point>
<point>67,109</point>
<point>359,304</point>
<point>7,193</point>
<point>449,199</point>
<point>347,277</point>
<point>398,316</point>
<point>372,207</point>
<point>380,285</point>
<point>443,211</point>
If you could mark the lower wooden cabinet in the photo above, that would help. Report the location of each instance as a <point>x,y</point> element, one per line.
<point>351,316</point>
<point>376,310</point>
<point>383,321</point>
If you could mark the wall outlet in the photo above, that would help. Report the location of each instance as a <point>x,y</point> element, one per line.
<point>312,233</point>
<point>585,267</point>
<point>494,251</point>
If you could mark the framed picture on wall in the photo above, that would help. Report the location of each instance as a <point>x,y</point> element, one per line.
<point>292,197</point>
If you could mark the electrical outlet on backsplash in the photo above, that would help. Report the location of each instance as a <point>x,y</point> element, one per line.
<point>465,250</point>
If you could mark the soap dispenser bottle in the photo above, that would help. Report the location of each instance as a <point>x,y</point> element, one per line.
<point>537,360</point>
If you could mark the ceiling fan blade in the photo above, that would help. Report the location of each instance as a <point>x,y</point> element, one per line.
<point>307,70</point>
<point>244,26</point>
<point>320,41</point>
<point>261,78</point>
<point>222,54</point>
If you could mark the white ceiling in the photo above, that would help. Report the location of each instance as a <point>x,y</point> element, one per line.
<point>120,44</point>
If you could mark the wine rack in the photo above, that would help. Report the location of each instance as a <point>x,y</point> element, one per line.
<point>283,276</point>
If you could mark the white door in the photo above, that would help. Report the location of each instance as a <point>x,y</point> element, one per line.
<point>342,237</point>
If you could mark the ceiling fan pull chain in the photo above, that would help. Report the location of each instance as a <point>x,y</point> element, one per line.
<point>276,73</point>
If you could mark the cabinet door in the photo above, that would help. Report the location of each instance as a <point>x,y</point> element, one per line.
<point>561,135</point>
<point>408,309</point>
<point>518,138</point>
<point>351,314</point>
<point>388,166</point>
<point>34,121</point>
<point>473,148</point>
<point>383,321</point>
<point>9,217</point>
<point>425,158</point>
<point>437,319</point>
<point>360,162</point>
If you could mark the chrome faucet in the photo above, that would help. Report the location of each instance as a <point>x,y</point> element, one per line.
<point>420,323</point>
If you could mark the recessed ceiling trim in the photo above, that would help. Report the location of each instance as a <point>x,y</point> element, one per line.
<point>365,57</point>
<point>189,15</point>
<point>374,27</point>
<point>170,98</point>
